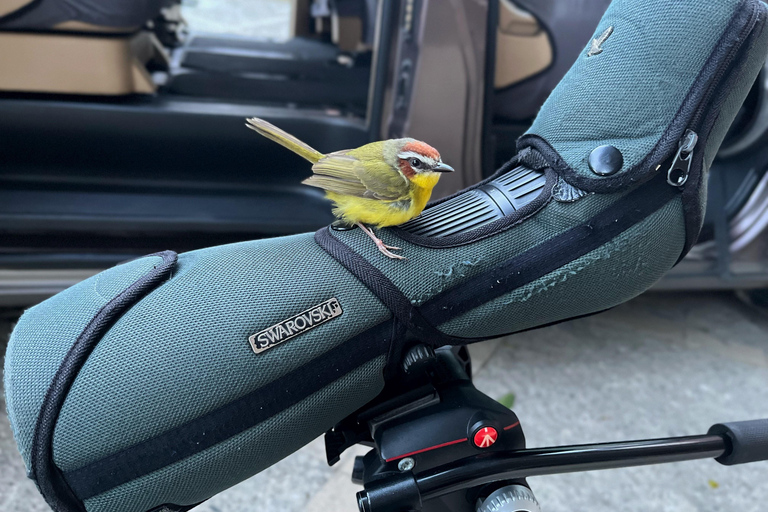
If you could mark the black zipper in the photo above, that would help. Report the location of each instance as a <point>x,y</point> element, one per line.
<point>678,172</point>
<point>680,166</point>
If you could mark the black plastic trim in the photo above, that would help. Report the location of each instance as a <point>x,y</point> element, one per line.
<point>231,419</point>
<point>71,33</point>
<point>44,471</point>
<point>481,206</point>
<point>388,24</point>
<point>489,75</point>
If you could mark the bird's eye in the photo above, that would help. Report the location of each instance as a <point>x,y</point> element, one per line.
<point>415,162</point>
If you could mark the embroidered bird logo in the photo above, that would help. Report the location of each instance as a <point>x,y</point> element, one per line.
<point>597,44</point>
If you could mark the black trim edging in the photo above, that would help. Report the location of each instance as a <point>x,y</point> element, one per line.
<point>48,476</point>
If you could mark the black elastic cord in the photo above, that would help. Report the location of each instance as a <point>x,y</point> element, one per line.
<point>49,479</point>
<point>231,419</point>
<point>373,278</point>
<point>380,285</point>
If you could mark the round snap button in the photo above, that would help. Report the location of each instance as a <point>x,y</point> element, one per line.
<point>605,160</point>
<point>342,226</point>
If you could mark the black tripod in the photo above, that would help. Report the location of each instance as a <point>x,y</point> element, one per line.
<point>440,445</point>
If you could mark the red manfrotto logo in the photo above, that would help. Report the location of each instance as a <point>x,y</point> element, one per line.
<point>485,437</point>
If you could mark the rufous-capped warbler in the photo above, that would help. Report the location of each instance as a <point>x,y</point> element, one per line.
<point>384,183</point>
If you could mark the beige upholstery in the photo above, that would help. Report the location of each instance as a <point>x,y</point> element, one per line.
<point>9,6</point>
<point>81,26</point>
<point>522,47</point>
<point>59,63</point>
<point>347,33</point>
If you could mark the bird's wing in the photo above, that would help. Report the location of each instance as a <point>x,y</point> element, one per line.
<point>345,174</point>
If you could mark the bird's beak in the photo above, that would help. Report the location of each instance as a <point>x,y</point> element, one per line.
<point>441,167</point>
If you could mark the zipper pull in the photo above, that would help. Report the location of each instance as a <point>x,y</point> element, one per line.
<point>677,175</point>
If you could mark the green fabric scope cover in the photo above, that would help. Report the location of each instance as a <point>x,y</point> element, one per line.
<point>162,381</point>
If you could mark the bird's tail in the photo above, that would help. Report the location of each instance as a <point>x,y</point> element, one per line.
<point>284,138</point>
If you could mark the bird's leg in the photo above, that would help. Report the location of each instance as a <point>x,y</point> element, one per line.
<point>384,248</point>
<point>368,231</point>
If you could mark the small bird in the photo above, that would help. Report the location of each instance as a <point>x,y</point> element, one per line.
<point>384,183</point>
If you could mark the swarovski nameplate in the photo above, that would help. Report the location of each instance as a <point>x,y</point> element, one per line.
<point>295,325</point>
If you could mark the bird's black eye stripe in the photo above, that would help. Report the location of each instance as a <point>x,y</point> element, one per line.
<point>415,162</point>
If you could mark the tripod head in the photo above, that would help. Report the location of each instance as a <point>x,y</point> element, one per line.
<point>429,415</point>
<point>439,444</point>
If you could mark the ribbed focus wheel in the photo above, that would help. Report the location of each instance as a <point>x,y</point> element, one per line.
<point>512,498</point>
<point>478,207</point>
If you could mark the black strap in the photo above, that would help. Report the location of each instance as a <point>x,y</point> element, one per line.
<point>49,479</point>
<point>231,419</point>
<point>375,280</point>
<point>532,159</point>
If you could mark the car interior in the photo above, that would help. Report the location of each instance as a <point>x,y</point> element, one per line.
<point>122,132</point>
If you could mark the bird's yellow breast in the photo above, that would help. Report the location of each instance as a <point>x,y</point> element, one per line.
<point>378,213</point>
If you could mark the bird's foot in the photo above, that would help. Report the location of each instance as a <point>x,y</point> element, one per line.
<point>385,250</point>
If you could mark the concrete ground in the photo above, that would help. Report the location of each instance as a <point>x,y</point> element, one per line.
<point>661,365</point>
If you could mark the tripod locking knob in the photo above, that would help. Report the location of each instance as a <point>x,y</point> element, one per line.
<point>511,498</point>
<point>418,358</point>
